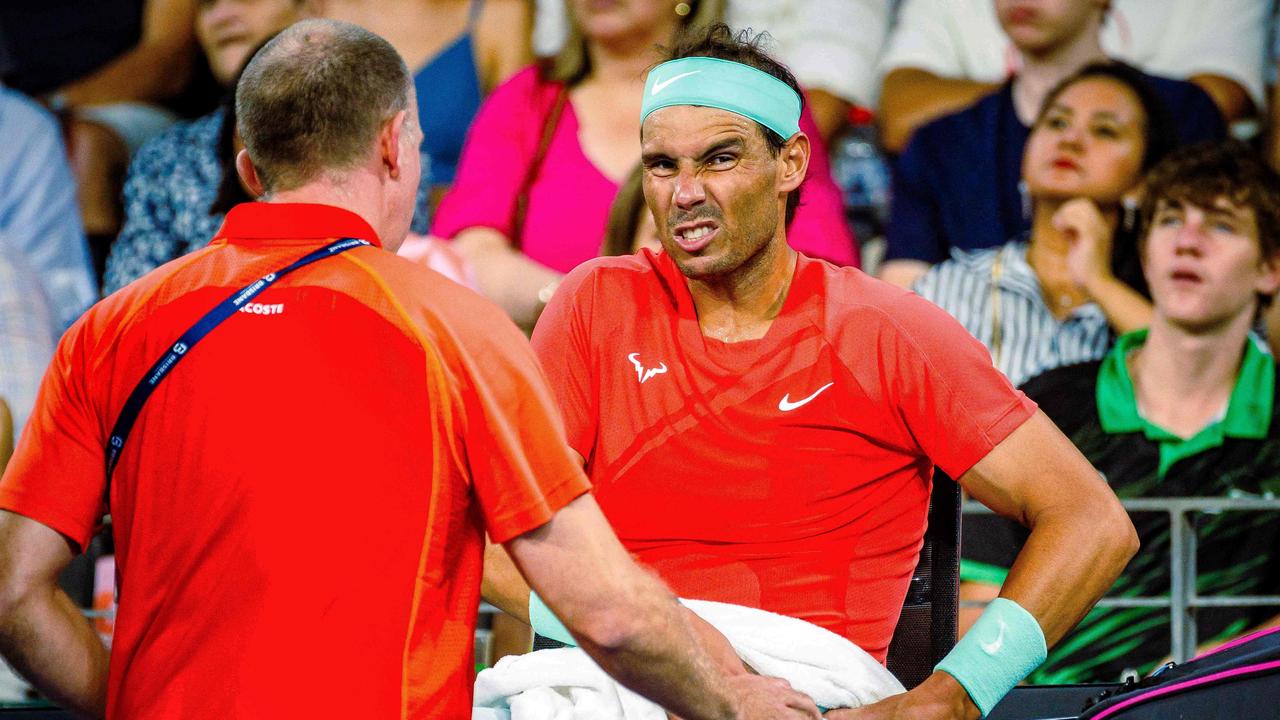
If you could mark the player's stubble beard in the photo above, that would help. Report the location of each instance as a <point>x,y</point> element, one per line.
<point>742,253</point>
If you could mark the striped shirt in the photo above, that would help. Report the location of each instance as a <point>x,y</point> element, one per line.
<point>27,334</point>
<point>1031,340</point>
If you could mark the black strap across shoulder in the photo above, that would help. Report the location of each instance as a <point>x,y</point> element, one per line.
<point>162,367</point>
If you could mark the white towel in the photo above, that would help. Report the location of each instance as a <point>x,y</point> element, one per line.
<point>565,684</point>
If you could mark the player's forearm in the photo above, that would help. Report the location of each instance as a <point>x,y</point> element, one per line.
<point>47,640</point>
<point>1072,557</point>
<point>503,586</point>
<point>506,276</point>
<point>648,643</point>
<point>911,97</point>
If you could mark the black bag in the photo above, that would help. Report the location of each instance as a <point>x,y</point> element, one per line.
<point>1238,681</point>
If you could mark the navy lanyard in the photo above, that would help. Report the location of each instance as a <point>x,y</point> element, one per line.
<point>161,369</point>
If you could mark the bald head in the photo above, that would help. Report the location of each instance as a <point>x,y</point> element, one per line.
<point>313,100</point>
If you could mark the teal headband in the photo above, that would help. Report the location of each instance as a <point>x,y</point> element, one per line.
<point>738,88</point>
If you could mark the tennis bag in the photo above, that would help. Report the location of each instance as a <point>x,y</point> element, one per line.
<point>1238,681</point>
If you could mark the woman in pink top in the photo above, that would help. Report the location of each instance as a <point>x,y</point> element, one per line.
<point>548,150</point>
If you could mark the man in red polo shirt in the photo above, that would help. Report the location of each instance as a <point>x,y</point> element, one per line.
<point>762,428</point>
<point>299,507</point>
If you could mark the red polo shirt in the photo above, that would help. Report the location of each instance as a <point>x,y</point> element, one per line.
<point>300,511</point>
<point>792,472</point>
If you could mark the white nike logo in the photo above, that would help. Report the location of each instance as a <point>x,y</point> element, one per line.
<point>785,404</point>
<point>658,86</point>
<point>643,372</point>
<point>993,647</point>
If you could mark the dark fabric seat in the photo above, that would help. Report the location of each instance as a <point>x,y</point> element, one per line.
<point>926,630</point>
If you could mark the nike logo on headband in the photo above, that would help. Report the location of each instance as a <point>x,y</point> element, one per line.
<point>658,86</point>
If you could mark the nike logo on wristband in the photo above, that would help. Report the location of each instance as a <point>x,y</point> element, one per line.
<point>993,647</point>
<point>785,404</point>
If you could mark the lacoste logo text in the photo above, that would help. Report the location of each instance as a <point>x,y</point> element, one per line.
<point>659,86</point>
<point>785,404</point>
<point>642,372</point>
<point>263,309</point>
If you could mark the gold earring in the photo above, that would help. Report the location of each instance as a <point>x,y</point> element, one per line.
<point>683,9</point>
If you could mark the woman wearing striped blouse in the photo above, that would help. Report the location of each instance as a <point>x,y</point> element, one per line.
<point>1054,297</point>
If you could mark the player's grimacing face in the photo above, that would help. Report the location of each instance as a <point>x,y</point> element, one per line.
<point>712,185</point>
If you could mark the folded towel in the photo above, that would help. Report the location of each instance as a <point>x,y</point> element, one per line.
<point>565,684</point>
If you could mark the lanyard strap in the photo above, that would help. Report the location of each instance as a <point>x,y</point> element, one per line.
<point>161,369</point>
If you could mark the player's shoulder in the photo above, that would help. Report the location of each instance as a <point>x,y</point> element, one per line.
<point>858,307</point>
<point>620,275</point>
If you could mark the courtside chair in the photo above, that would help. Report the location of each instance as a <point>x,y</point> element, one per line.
<point>926,630</point>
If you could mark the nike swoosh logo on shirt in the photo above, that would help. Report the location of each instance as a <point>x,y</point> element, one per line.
<point>785,404</point>
<point>658,86</point>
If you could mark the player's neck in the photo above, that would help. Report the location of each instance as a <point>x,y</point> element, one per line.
<point>743,304</point>
<point>1040,73</point>
<point>1183,379</point>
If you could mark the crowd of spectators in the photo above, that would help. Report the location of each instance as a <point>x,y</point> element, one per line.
<point>1062,180</point>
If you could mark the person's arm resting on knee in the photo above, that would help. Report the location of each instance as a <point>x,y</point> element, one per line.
<point>1081,539</point>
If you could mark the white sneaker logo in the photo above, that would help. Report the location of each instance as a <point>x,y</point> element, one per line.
<point>658,86</point>
<point>785,404</point>
<point>993,647</point>
<point>643,372</point>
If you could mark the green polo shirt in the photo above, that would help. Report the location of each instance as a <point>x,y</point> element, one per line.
<point>1248,412</point>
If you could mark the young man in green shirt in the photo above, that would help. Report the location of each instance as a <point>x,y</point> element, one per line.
<point>1183,408</point>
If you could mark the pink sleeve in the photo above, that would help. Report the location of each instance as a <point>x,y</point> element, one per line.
<point>500,144</point>
<point>820,229</point>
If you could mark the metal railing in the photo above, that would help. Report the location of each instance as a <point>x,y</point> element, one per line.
<point>1183,601</point>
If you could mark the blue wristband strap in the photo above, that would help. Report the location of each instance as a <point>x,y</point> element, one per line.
<point>545,622</point>
<point>1001,649</point>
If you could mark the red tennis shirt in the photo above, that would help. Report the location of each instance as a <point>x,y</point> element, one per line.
<point>792,472</point>
<point>300,511</point>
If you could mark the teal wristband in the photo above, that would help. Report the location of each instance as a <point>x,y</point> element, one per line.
<point>545,622</point>
<point>1001,649</point>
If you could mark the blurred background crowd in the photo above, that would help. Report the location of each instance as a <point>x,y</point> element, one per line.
<point>1000,157</point>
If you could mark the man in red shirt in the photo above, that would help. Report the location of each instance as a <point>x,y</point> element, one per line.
<point>762,428</point>
<point>300,513</point>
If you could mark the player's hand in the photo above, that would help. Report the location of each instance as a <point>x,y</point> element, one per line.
<point>939,697</point>
<point>766,698</point>
<point>1089,257</point>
